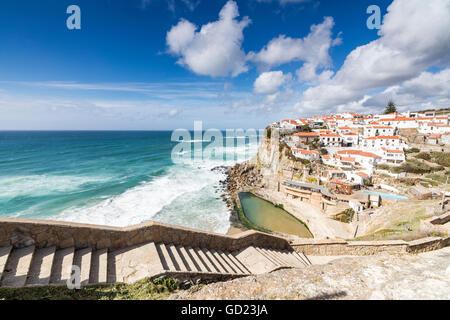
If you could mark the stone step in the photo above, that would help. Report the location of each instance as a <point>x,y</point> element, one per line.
<point>134,263</point>
<point>82,259</point>
<point>191,266</point>
<point>176,258</point>
<point>216,264</point>
<point>303,258</point>
<point>17,267</point>
<point>225,264</point>
<point>292,259</point>
<point>99,267</point>
<point>164,255</point>
<point>41,267</point>
<point>296,260</point>
<point>268,256</point>
<point>199,265</point>
<point>278,260</point>
<point>62,265</point>
<point>284,258</point>
<point>205,260</point>
<point>255,260</point>
<point>242,268</point>
<point>4,254</point>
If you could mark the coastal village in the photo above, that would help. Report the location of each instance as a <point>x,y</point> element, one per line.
<point>353,162</point>
<point>339,173</point>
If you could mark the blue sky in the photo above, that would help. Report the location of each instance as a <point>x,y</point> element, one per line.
<point>145,65</point>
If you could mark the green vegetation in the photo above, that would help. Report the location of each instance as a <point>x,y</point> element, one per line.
<point>305,128</point>
<point>145,289</point>
<point>438,177</point>
<point>346,216</point>
<point>390,108</point>
<point>280,205</point>
<point>401,222</point>
<point>311,179</point>
<point>268,132</point>
<point>411,166</point>
<point>441,158</point>
<point>424,156</point>
<point>412,150</point>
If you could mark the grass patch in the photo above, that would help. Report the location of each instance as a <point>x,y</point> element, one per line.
<point>441,158</point>
<point>438,177</point>
<point>346,216</point>
<point>403,225</point>
<point>145,289</point>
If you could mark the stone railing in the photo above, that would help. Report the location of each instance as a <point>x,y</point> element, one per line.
<point>46,233</point>
<point>338,247</point>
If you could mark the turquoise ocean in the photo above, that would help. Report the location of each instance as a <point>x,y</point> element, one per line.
<point>113,178</point>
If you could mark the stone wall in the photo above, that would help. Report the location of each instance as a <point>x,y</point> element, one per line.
<point>442,219</point>
<point>342,247</point>
<point>46,233</point>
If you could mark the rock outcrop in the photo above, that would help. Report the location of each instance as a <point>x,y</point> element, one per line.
<point>423,276</point>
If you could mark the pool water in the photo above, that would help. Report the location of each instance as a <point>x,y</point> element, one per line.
<point>264,214</point>
<point>387,195</point>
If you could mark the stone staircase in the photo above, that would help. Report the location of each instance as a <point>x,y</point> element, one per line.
<point>31,266</point>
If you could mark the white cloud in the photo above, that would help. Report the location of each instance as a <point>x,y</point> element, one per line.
<point>415,35</point>
<point>313,50</point>
<point>269,82</point>
<point>427,88</point>
<point>283,2</point>
<point>215,50</point>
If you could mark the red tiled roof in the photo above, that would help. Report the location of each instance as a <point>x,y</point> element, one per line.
<point>383,137</point>
<point>330,135</point>
<point>392,151</point>
<point>359,153</point>
<point>306,134</point>
<point>362,174</point>
<point>302,151</point>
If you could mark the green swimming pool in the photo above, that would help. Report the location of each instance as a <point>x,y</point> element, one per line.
<point>265,215</point>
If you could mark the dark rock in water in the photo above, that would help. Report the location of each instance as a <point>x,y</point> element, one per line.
<point>220,169</point>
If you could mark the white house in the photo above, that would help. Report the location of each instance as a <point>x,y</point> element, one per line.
<point>288,124</point>
<point>373,131</point>
<point>400,122</point>
<point>330,140</point>
<point>350,139</point>
<point>392,157</point>
<point>433,128</point>
<point>376,143</point>
<point>367,160</point>
<point>358,177</point>
<point>310,155</point>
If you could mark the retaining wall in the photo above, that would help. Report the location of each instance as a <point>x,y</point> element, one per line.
<point>342,247</point>
<point>46,233</point>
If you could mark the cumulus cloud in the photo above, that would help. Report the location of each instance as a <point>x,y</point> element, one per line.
<point>313,50</point>
<point>426,88</point>
<point>215,50</point>
<point>269,82</point>
<point>415,35</point>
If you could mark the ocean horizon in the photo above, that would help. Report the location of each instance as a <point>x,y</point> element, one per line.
<point>112,177</point>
